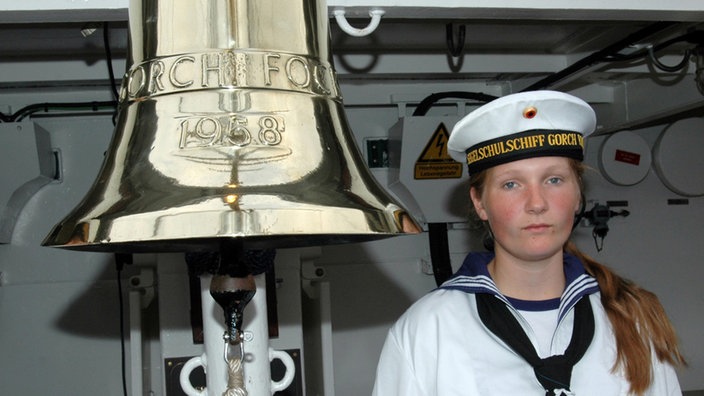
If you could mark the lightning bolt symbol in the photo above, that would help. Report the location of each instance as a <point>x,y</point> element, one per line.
<point>440,144</point>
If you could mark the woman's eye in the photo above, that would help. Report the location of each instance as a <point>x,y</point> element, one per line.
<point>554,180</point>
<point>509,185</point>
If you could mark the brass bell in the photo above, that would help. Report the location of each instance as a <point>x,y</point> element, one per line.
<point>231,125</point>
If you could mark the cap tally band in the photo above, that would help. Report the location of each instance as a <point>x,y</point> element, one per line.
<point>523,145</point>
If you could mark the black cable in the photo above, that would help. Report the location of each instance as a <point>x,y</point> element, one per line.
<point>28,110</point>
<point>695,37</point>
<point>108,59</point>
<point>455,49</point>
<point>93,106</point>
<point>683,63</point>
<point>430,100</point>
<point>599,56</point>
<point>439,252</point>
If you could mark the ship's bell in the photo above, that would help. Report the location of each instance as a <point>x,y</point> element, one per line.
<point>231,125</point>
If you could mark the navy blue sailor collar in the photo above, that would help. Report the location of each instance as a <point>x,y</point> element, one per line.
<point>473,277</point>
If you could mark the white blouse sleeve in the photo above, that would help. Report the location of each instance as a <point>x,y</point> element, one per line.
<point>394,374</point>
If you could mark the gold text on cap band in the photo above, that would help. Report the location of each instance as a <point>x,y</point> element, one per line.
<point>522,145</point>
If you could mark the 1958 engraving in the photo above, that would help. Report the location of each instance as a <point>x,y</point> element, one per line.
<point>231,131</point>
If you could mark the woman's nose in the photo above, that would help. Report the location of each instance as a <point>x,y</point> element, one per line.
<point>536,202</point>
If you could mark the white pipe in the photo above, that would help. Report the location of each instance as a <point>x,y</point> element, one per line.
<point>258,354</point>
<point>135,303</point>
<point>325,306</point>
<point>257,369</point>
<point>213,342</point>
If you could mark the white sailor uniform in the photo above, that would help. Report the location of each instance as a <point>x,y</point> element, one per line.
<point>441,347</point>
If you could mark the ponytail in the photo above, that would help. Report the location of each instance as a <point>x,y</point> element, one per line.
<point>639,322</point>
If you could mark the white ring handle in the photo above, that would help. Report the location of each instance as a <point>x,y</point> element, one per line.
<point>192,363</point>
<point>185,381</point>
<point>290,370</point>
<point>375,14</point>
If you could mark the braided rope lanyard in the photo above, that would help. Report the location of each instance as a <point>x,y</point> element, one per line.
<point>235,367</point>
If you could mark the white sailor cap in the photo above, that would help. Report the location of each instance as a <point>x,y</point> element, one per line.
<point>522,125</point>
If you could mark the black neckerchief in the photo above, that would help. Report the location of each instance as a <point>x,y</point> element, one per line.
<point>555,372</point>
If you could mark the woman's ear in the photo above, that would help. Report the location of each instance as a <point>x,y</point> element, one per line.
<point>477,202</point>
<point>580,204</point>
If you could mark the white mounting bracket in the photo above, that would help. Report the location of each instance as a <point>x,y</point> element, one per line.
<point>374,13</point>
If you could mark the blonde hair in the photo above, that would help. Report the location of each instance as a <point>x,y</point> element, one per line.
<point>637,317</point>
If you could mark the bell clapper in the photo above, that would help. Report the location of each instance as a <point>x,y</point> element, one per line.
<point>233,294</point>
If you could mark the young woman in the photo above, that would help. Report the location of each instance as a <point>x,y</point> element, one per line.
<point>534,316</point>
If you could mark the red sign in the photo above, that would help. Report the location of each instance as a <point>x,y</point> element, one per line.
<point>627,157</point>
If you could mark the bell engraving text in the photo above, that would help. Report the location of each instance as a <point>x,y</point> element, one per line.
<point>228,69</point>
<point>231,131</point>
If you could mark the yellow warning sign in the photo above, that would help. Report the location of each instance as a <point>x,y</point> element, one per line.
<point>434,162</point>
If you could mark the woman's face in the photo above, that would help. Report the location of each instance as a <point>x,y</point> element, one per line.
<point>530,206</point>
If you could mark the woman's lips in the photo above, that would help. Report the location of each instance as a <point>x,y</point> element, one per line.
<point>537,227</point>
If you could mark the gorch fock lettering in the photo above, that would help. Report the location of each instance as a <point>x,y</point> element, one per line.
<point>523,145</point>
<point>229,69</point>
